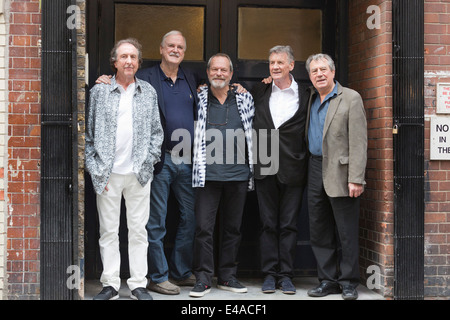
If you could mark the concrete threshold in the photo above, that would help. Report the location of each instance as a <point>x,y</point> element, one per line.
<point>302,284</point>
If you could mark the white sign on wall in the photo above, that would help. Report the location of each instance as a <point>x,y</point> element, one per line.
<point>440,138</point>
<point>443,98</point>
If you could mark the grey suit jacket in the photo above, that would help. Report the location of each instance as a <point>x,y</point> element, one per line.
<point>344,144</point>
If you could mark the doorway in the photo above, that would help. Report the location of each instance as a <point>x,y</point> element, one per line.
<point>245,30</point>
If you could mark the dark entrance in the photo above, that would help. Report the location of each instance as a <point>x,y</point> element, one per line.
<point>244,29</point>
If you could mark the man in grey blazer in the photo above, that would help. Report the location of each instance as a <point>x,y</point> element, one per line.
<point>336,132</point>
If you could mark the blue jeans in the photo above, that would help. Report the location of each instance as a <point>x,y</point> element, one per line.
<point>177,177</point>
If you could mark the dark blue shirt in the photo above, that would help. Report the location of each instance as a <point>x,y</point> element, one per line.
<point>232,164</point>
<point>179,106</point>
<point>317,117</point>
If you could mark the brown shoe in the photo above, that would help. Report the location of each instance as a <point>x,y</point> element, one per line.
<point>188,282</point>
<point>164,287</point>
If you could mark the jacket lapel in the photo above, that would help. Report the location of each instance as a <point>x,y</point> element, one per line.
<point>311,95</point>
<point>266,105</point>
<point>155,80</point>
<point>332,108</point>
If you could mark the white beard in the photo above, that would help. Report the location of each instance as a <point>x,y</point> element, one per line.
<point>219,84</point>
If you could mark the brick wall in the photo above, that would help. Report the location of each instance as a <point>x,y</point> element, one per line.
<point>3,150</point>
<point>437,173</point>
<point>23,150</point>
<point>370,70</point>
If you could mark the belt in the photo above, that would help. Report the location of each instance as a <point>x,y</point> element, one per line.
<point>313,156</point>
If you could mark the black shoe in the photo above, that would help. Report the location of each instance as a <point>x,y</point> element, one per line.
<point>268,285</point>
<point>349,292</point>
<point>325,288</point>
<point>199,290</point>
<point>232,285</point>
<point>107,293</point>
<point>286,286</point>
<point>141,294</point>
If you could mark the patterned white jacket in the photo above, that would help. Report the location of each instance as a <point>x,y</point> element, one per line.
<point>102,126</point>
<point>246,110</point>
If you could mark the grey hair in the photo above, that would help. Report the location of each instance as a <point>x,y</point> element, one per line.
<point>113,55</point>
<point>286,49</point>
<point>220,55</point>
<point>318,57</point>
<point>171,33</point>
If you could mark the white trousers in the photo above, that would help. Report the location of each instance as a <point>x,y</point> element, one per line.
<point>137,201</point>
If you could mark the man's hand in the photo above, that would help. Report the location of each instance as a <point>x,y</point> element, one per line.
<point>239,88</point>
<point>104,79</point>
<point>199,88</point>
<point>267,80</point>
<point>355,189</point>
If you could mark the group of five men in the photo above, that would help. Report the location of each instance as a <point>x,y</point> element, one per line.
<point>318,134</point>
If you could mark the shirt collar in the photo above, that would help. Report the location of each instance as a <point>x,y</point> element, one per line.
<point>332,94</point>
<point>115,85</point>
<point>180,74</point>
<point>230,93</point>
<point>293,87</point>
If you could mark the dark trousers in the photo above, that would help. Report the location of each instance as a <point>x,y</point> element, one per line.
<point>279,207</point>
<point>230,195</point>
<point>333,221</point>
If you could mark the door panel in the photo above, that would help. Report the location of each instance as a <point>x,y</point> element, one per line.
<point>276,29</point>
<point>211,26</point>
<point>149,23</point>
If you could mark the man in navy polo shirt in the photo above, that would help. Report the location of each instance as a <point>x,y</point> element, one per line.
<point>177,99</point>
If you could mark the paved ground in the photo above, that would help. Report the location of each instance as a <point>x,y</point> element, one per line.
<point>302,284</point>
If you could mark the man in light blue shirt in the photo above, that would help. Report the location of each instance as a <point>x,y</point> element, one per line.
<point>337,136</point>
<point>317,119</point>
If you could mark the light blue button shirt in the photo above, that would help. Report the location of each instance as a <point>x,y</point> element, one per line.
<point>317,117</point>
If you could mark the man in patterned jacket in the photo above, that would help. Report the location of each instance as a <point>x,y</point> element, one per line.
<point>123,142</point>
<point>222,174</point>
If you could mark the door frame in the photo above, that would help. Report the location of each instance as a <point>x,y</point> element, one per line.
<point>219,20</point>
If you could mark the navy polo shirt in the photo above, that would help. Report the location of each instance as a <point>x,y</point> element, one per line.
<point>317,117</point>
<point>179,106</point>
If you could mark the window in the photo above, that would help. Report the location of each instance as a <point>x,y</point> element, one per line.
<point>260,29</point>
<point>149,23</point>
